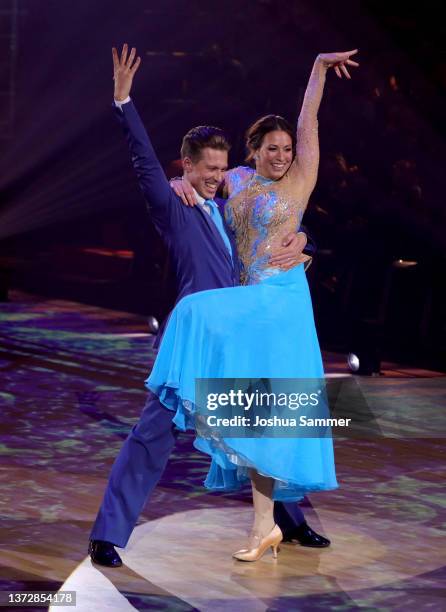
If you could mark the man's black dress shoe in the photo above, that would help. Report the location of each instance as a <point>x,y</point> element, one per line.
<point>306,537</point>
<point>104,553</point>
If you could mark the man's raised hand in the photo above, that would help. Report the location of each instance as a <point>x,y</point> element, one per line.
<point>124,69</point>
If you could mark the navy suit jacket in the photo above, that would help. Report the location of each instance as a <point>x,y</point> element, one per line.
<point>197,252</point>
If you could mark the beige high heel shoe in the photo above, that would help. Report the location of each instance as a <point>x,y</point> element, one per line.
<point>272,540</point>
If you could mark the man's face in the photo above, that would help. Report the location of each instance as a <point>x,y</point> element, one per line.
<point>207,174</point>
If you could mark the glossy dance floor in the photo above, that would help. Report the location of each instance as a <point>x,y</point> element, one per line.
<point>72,386</point>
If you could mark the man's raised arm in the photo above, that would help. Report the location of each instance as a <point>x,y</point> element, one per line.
<point>163,205</point>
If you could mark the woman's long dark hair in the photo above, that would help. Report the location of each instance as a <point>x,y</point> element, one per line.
<point>258,130</point>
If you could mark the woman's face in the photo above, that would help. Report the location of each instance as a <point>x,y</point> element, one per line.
<point>275,154</point>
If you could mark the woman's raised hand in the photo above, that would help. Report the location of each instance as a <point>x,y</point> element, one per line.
<point>124,69</point>
<point>184,190</point>
<point>339,61</point>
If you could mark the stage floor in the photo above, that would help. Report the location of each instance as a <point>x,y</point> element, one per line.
<point>71,388</point>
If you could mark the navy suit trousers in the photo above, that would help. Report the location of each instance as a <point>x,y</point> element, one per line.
<point>137,470</point>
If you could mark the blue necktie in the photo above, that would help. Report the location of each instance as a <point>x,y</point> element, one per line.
<point>216,217</point>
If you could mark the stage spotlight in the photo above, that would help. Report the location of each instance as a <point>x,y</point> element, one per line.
<point>153,325</point>
<point>364,355</point>
<point>353,362</point>
<point>365,362</point>
<point>404,263</point>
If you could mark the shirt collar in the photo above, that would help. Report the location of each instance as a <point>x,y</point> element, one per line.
<point>204,204</point>
<point>200,198</point>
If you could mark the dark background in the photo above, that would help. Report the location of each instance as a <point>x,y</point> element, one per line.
<point>73,223</point>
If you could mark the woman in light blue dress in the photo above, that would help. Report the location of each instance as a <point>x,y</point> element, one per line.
<point>261,330</point>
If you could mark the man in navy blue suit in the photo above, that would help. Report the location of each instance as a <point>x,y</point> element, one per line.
<point>203,257</point>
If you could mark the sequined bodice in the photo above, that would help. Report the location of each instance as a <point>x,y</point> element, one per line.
<point>261,212</point>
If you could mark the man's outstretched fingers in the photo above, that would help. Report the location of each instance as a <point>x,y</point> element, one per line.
<point>136,65</point>
<point>124,54</point>
<point>115,58</point>
<point>131,58</point>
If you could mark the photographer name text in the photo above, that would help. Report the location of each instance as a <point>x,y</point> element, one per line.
<point>303,421</point>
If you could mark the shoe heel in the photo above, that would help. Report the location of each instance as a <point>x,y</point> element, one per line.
<point>270,541</point>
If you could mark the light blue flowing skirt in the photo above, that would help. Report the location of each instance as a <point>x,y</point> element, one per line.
<point>255,331</point>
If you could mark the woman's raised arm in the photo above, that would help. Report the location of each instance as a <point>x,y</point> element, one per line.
<point>307,148</point>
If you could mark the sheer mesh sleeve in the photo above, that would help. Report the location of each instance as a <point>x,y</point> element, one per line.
<point>237,178</point>
<point>306,163</point>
